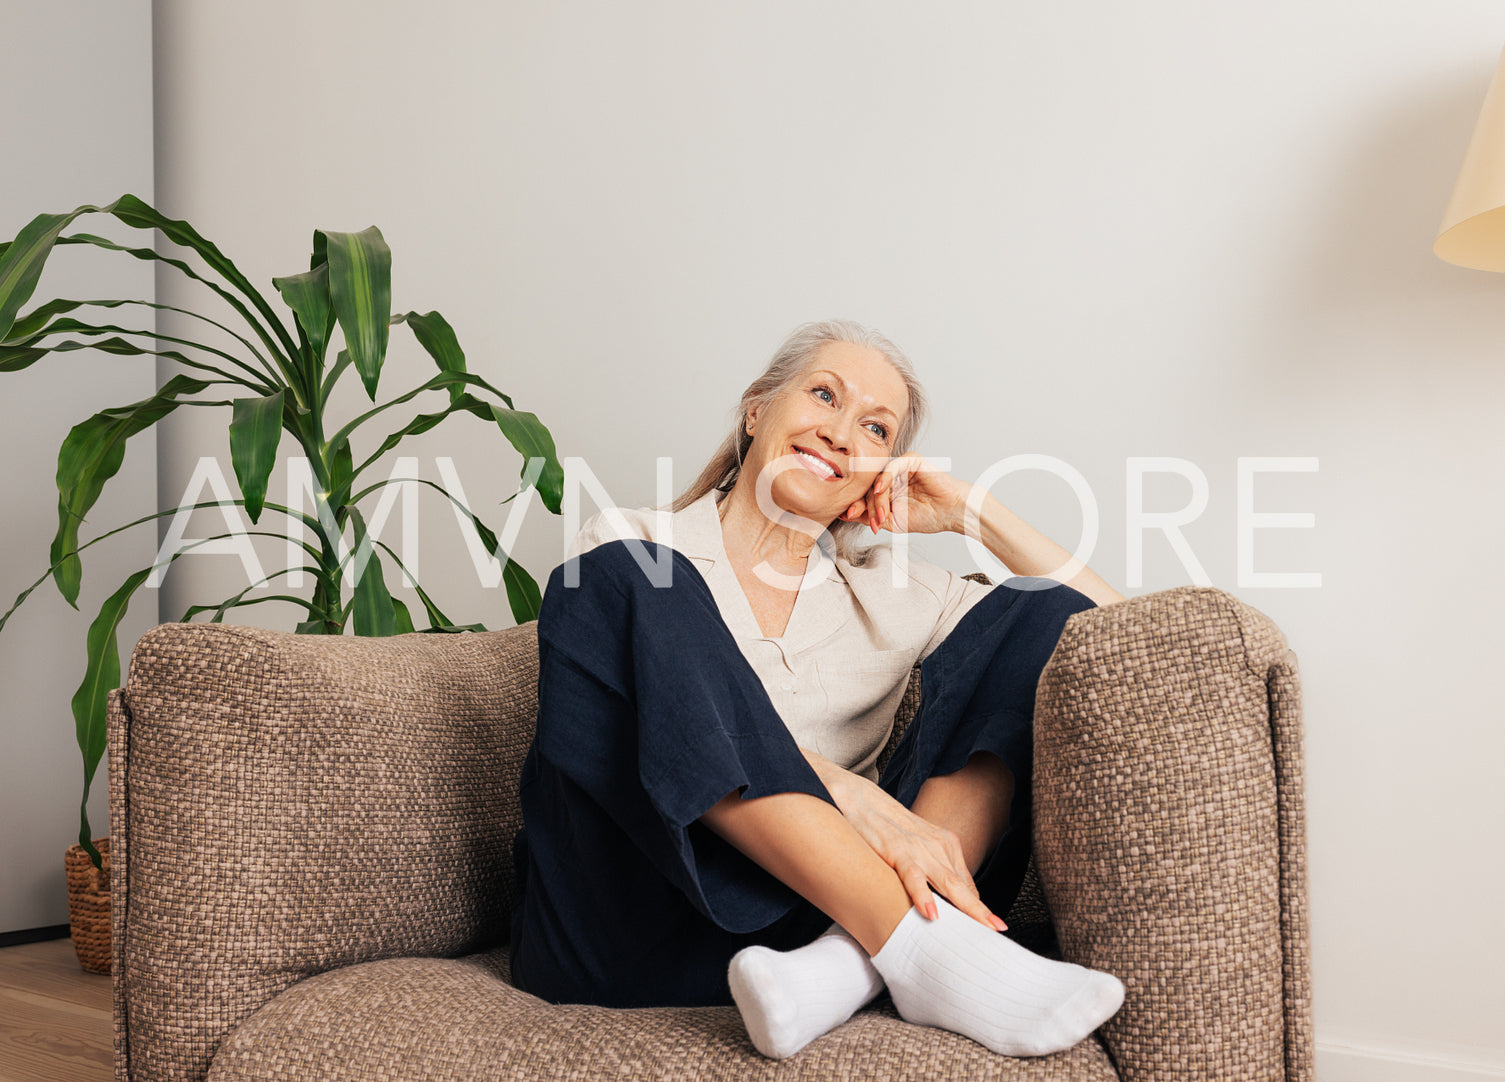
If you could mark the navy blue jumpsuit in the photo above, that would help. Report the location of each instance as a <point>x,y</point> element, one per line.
<point>649,713</point>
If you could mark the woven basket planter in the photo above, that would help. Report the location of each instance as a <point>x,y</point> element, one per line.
<point>89,906</point>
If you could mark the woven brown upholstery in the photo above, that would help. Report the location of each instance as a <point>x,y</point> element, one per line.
<point>1170,832</point>
<point>412,1018</point>
<point>312,873</point>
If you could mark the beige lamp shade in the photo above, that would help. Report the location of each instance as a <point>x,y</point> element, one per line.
<point>1473,229</point>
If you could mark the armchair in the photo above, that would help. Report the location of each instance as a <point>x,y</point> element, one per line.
<point>312,866</point>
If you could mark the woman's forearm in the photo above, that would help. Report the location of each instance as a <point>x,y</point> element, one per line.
<point>1027,551</point>
<point>832,775</point>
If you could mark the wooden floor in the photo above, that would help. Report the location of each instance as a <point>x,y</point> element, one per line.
<point>55,1023</point>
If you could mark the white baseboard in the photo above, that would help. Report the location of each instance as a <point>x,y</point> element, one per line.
<point>1345,1061</point>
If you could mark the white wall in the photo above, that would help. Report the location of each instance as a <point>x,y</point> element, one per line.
<point>1163,229</point>
<point>79,130</point>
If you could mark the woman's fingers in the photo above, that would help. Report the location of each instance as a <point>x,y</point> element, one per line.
<point>881,494</point>
<point>918,886</point>
<point>920,852</point>
<point>954,881</point>
<point>962,893</point>
<point>958,889</point>
<point>896,486</point>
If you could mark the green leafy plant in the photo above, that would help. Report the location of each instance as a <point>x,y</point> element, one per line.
<point>279,382</point>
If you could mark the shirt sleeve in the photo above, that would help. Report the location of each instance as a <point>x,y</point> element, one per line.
<point>586,539</point>
<point>957,596</point>
<point>601,528</point>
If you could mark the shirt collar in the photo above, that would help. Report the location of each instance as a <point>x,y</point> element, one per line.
<point>697,530</point>
<point>697,534</point>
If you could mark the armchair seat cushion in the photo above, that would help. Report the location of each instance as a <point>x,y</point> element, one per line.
<point>460,1019</point>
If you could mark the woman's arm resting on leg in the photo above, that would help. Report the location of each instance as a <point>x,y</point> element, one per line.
<point>919,851</point>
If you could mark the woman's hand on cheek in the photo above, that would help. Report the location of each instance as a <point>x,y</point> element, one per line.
<point>910,495</point>
<point>862,510</point>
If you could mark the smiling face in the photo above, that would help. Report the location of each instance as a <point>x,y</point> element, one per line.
<point>829,433</point>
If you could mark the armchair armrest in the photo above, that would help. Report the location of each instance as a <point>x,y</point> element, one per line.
<point>1170,832</point>
<point>287,804</point>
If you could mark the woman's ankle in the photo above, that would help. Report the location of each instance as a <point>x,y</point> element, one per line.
<point>872,927</point>
<point>807,844</point>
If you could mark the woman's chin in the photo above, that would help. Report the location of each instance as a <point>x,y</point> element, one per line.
<point>794,502</point>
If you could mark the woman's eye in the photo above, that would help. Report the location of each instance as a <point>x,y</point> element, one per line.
<point>877,427</point>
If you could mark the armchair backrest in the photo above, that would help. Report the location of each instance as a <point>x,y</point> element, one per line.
<point>282,805</point>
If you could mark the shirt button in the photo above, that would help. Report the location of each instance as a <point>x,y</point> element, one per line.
<point>786,687</point>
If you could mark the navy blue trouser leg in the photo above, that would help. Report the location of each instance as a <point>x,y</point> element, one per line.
<point>649,714</point>
<point>977,693</point>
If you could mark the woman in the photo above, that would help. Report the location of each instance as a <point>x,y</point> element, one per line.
<point>701,800</point>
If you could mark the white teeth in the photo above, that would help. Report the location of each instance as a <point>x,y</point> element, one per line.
<point>823,467</point>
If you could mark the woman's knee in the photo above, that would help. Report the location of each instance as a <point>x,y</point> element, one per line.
<point>647,577</point>
<point>626,568</point>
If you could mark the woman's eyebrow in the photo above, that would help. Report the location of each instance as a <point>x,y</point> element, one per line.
<point>838,379</point>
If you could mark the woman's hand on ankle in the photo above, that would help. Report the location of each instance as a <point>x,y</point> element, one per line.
<point>920,852</point>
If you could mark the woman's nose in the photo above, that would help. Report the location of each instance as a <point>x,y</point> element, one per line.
<point>836,431</point>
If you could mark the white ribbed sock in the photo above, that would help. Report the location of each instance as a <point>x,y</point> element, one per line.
<point>789,998</point>
<point>955,974</point>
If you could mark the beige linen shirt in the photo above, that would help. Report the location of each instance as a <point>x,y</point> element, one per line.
<point>837,673</point>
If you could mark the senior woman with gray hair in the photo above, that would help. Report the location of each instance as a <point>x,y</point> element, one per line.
<point>704,820</point>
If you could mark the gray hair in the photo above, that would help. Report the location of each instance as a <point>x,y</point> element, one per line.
<point>789,363</point>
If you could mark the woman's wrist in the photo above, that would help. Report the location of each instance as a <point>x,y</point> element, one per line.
<point>1024,550</point>
<point>834,777</point>
<point>957,521</point>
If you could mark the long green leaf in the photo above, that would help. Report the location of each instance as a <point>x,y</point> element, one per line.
<point>21,264</point>
<point>308,520</point>
<point>229,298</point>
<point>133,211</point>
<point>443,379</point>
<point>522,592</point>
<point>251,377</point>
<point>90,455</point>
<point>122,348</point>
<point>527,433</point>
<point>101,673</point>
<point>360,287</point>
<point>307,294</point>
<point>15,358</point>
<point>340,470</point>
<point>402,619</point>
<point>437,620</point>
<point>425,421</point>
<point>35,323</point>
<point>372,606</point>
<point>438,339</point>
<point>341,362</point>
<point>237,600</point>
<point>228,604</point>
<point>255,431</point>
<point>32,322</point>
<point>484,532</point>
<point>523,595</point>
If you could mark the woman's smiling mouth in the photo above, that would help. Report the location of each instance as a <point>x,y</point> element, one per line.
<point>815,464</point>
